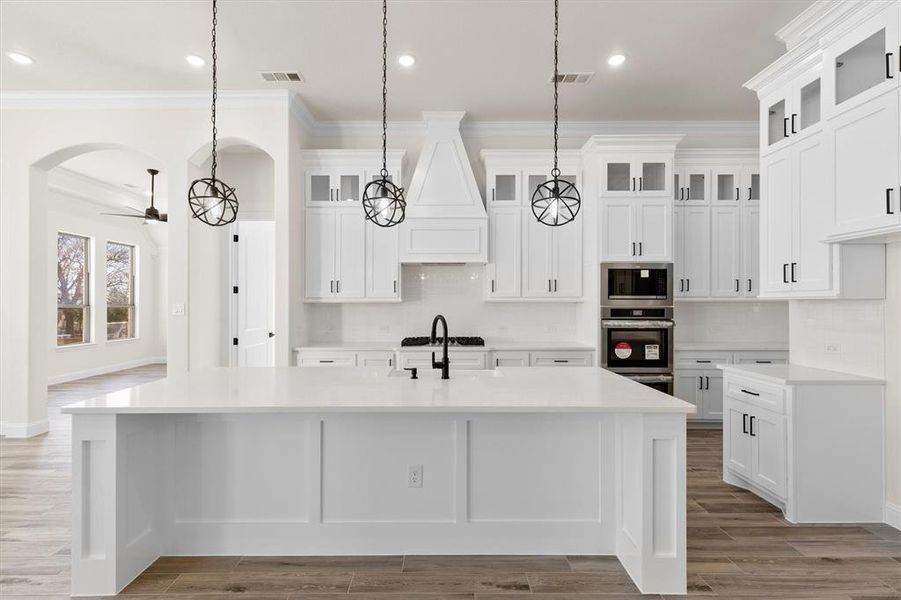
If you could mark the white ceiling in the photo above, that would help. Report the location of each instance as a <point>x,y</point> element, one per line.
<point>686,60</point>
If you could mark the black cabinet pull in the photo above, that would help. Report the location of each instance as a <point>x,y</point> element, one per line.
<point>633,248</point>
<point>395,285</point>
<point>736,286</point>
<point>744,391</point>
<point>337,286</point>
<point>688,193</point>
<point>640,184</point>
<point>700,382</point>
<point>633,184</point>
<point>688,285</point>
<point>749,284</point>
<point>744,423</point>
<point>560,360</point>
<point>785,273</point>
<point>492,194</point>
<point>555,285</point>
<point>794,280</point>
<point>737,194</point>
<point>497,362</point>
<point>492,286</point>
<point>763,362</point>
<point>749,193</point>
<point>706,382</point>
<point>681,285</point>
<point>752,427</point>
<point>888,201</point>
<point>331,286</point>
<point>794,116</point>
<point>640,250</point>
<point>785,127</point>
<point>682,193</point>
<point>326,361</point>
<point>548,285</point>
<point>888,65</point>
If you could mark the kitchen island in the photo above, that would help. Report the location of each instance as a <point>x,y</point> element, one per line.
<point>289,461</point>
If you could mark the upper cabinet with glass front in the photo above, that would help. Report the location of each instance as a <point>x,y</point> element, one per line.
<point>335,178</point>
<point>792,112</point>
<point>863,63</point>
<point>642,175</point>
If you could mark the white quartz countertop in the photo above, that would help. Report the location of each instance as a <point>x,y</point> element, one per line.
<point>799,374</point>
<point>348,389</point>
<point>731,346</point>
<point>490,345</point>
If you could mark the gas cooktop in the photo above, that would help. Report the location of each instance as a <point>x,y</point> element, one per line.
<point>452,341</point>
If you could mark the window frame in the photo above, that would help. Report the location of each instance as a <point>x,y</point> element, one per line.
<point>132,305</point>
<point>86,306</point>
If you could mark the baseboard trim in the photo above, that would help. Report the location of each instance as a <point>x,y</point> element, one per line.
<point>893,515</point>
<point>24,430</point>
<point>66,377</point>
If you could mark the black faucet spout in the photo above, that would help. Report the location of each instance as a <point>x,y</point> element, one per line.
<point>444,364</point>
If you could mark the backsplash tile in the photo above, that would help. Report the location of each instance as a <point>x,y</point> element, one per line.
<point>455,291</point>
<point>841,335</point>
<point>731,321</point>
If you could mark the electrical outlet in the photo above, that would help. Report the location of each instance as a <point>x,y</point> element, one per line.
<point>414,476</point>
<point>832,348</point>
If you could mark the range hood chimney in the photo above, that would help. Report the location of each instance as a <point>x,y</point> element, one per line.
<point>446,221</point>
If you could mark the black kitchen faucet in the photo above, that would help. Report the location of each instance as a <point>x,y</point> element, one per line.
<point>444,364</point>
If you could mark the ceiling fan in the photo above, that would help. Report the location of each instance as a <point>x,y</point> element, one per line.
<point>151,214</point>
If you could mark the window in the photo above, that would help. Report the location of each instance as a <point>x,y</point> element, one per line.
<point>120,291</point>
<point>73,307</point>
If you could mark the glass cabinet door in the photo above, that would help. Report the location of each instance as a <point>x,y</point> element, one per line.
<point>653,177</point>
<point>349,188</point>
<point>751,184</point>
<point>777,123</point>
<point>619,177</point>
<point>861,67</point>
<point>727,187</point>
<point>504,187</point>
<point>319,188</point>
<point>809,106</point>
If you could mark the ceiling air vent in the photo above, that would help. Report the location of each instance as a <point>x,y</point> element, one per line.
<point>282,76</point>
<point>572,77</point>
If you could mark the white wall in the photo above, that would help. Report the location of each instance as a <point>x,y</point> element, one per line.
<point>732,321</point>
<point>893,373</point>
<point>72,214</point>
<point>458,293</point>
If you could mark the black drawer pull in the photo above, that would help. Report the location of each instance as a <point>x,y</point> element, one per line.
<point>703,361</point>
<point>326,361</point>
<point>764,362</point>
<point>744,423</point>
<point>749,393</point>
<point>561,360</point>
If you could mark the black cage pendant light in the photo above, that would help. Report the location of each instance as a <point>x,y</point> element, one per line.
<point>383,201</point>
<point>556,202</point>
<point>212,200</point>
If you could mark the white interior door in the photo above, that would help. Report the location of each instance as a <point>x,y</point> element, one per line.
<point>256,290</point>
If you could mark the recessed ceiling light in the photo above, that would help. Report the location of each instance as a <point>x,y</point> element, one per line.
<point>20,59</point>
<point>616,60</point>
<point>195,61</point>
<point>405,60</point>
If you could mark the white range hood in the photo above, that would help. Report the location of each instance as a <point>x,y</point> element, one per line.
<point>446,220</point>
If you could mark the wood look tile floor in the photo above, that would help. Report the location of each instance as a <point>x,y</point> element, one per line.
<point>739,547</point>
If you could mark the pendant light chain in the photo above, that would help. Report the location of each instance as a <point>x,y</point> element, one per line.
<point>215,88</point>
<point>384,89</point>
<point>556,171</point>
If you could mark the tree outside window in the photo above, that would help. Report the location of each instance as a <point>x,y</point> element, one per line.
<point>73,308</point>
<point>120,288</point>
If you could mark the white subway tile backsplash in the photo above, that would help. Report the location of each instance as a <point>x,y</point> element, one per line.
<point>458,293</point>
<point>732,321</point>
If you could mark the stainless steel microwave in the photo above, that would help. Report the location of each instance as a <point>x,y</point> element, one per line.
<point>636,285</point>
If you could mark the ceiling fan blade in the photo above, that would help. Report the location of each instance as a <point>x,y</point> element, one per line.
<point>164,217</point>
<point>121,215</point>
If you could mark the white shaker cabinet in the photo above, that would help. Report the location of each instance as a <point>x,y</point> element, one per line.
<point>382,263</point>
<point>643,175</point>
<point>505,252</point>
<point>335,254</point>
<point>637,229</point>
<point>691,241</point>
<point>806,440</point>
<point>750,255</point>
<point>726,252</point>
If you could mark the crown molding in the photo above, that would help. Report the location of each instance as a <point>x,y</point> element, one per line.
<point>716,155</point>
<point>126,100</point>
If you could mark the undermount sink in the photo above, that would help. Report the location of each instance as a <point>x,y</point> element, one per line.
<point>425,373</point>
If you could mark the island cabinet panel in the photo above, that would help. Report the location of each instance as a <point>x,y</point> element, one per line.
<point>533,486</point>
<point>366,463</point>
<point>228,450</point>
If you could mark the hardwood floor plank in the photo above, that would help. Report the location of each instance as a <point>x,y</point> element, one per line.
<point>258,583</point>
<point>485,564</point>
<point>847,548</point>
<point>802,533</point>
<point>595,583</point>
<point>320,564</point>
<point>814,586</point>
<point>403,583</point>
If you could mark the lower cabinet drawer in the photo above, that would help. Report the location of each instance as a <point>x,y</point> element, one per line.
<point>770,397</point>
<point>561,359</point>
<point>510,358</point>
<point>375,359</point>
<point>326,359</point>
<point>458,359</point>
<point>701,360</point>
<point>761,358</point>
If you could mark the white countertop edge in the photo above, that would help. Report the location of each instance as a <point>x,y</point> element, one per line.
<point>323,410</point>
<point>792,374</point>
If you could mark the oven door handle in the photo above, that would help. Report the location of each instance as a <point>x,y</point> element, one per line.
<point>635,324</point>
<point>662,378</point>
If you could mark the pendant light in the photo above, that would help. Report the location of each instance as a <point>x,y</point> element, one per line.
<point>212,200</point>
<point>383,201</point>
<point>556,202</point>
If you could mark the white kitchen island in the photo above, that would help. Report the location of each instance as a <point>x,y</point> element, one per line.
<point>290,461</point>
